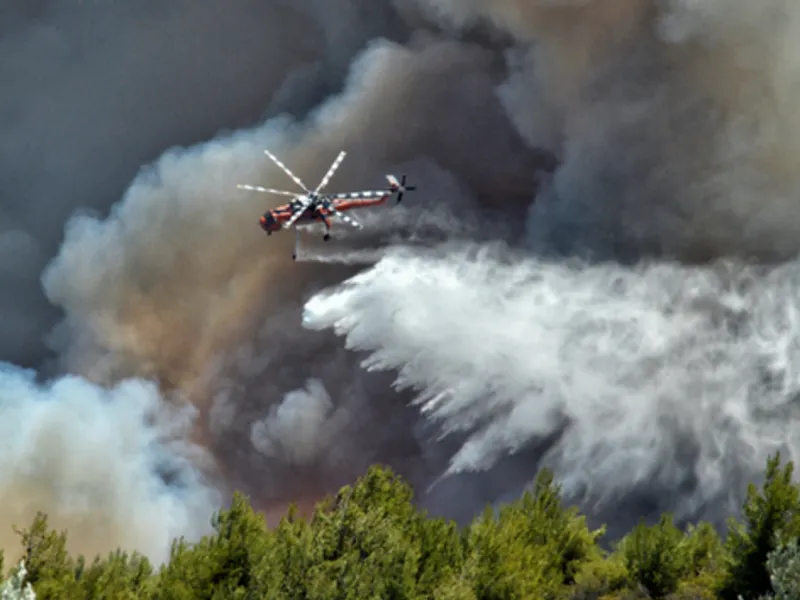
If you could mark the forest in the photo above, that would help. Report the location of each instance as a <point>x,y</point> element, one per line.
<point>369,541</point>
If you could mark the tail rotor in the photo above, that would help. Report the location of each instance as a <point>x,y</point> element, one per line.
<point>399,186</point>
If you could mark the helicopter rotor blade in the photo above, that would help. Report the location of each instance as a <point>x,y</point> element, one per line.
<point>286,170</point>
<point>331,171</point>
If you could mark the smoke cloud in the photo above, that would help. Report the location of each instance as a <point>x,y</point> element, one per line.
<point>91,93</point>
<point>95,90</point>
<point>652,384</point>
<point>627,320</point>
<point>104,463</point>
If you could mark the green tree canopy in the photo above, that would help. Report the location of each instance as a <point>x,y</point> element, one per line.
<point>369,541</point>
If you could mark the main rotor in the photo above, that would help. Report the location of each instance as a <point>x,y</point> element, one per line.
<point>313,196</point>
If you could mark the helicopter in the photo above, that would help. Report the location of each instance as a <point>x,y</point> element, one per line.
<point>313,206</point>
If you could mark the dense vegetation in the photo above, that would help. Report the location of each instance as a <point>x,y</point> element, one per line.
<point>370,542</point>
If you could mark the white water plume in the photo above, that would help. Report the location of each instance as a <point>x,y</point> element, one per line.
<point>679,380</point>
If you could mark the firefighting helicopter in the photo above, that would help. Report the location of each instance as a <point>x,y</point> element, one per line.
<point>313,206</point>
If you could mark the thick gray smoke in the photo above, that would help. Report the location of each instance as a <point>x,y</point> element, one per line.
<point>176,285</point>
<point>652,386</point>
<point>657,379</point>
<point>184,287</point>
<point>91,92</point>
<point>94,90</point>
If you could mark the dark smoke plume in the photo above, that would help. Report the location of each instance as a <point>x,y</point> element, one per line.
<point>624,338</point>
<point>92,91</point>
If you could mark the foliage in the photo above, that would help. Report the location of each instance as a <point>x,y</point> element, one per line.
<point>653,558</point>
<point>533,548</point>
<point>667,562</point>
<point>771,518</point>
<point>15,588</point>
<point>370,541</point>
<point>783,565</point>
<point>600,578</point>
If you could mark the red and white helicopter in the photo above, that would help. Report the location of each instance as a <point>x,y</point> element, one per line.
<point>313,206</point>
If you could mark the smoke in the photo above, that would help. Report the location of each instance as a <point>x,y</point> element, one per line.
<point>647,384</point>
<point>95,90</point>
<point>620,333</point>
<point>92,92</point>
<point>224,326</point>
<point>109,464</point>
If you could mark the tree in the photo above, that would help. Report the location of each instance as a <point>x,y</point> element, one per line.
<point>441,562</point>
<point>533,548</point>
<point>368,541</point>
<point>49,568</point>
<point>226,564</point>
<point>783,565</point>
<point>771,518</point>
<point>706,562</point>
<point>654,558</point>
<point>15,588</point>
<point>118,576</point>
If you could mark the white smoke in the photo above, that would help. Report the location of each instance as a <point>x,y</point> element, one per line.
<point>112,463</point>
<point>300,428</point>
